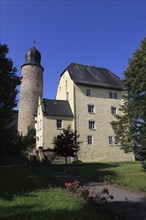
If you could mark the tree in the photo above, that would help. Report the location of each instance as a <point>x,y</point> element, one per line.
<point>130,127</point>
<point>8,92</point>
<point>66,144</point>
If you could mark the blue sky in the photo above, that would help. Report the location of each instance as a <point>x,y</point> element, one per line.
<point>100,33</point>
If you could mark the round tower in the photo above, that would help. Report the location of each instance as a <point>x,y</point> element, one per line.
<point>30,90</point>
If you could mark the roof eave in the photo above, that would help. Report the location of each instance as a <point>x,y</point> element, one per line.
<point>100,86</point>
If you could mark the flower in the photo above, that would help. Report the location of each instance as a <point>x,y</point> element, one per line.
<point>111,197</point>
<point>77,183</point>
<point>67,184</point>
<point>72,186</point>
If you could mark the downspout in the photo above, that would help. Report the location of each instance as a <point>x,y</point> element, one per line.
<point>75,115</point>
<point>42,130</point>
<point>75,118</point>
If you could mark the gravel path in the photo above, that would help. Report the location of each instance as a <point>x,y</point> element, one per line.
<point>131,205</point>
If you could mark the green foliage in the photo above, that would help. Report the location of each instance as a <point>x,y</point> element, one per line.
<point>29,139</point>
<point>66,144</point>
<point>130,128</point>
<point>8,91</point>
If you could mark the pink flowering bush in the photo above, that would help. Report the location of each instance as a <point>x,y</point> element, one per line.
<point>92,198</point>
<point>72,186</point>
<point>103,196</point>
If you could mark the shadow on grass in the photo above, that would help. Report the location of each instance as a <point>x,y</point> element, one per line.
<point>95,171</point>
<point>24,212</point>
<point>122,211</point>
<point>20,181</point>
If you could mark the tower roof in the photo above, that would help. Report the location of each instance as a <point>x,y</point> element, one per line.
<point>33,56</point>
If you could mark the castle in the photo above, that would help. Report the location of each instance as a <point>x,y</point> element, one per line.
<point>87,100</point>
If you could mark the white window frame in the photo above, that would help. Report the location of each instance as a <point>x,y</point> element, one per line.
<point>91,125</point>
<point>59,124</point>
<point>112,140</point>
<point>91,109</point>
<point>89,139</point>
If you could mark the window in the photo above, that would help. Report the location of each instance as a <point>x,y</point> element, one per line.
<point>113,95</point>
<point>113,110</point>
<point>67,95</point>
<point>89,139</point>
<point>88,93</point>
<point>91,109</point>
<point>91,124</point>
<point>66,84</point>
<point>110,95</point>
<point>112,140</point>
<point>59,123</point>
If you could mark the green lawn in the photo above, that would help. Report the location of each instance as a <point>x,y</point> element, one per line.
<point>26,195</point>
<point>130,174</point>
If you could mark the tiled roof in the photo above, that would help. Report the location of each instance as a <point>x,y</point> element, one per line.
<point>57,108</point>
<point>94,76</point>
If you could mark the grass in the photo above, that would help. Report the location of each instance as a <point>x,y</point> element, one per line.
<point>26,195</point>
<point>130,174</point>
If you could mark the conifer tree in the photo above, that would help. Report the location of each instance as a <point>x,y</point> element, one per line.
<point>130,127</point>
<point>8,92</point>
<point>66,144</point>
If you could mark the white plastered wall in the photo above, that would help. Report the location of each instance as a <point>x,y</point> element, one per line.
<point>100,150</point>
<point>50,128</point>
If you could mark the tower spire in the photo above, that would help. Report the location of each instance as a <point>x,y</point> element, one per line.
<point>33,43</point>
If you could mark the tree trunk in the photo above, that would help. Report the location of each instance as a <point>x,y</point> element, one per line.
<point>66,160</point>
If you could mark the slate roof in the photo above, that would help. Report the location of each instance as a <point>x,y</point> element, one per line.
<point>56,108</point>
<point>94,76</point>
